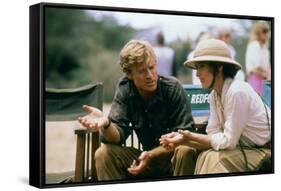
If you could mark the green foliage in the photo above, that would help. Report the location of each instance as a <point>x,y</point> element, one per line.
<point>240,45</point>
<point>182,49</point>
<point>80,49</point>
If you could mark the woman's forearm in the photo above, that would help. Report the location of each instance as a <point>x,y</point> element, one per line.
<point>199,141</point>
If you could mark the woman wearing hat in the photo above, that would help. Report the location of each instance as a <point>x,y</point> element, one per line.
<point>239,124</point>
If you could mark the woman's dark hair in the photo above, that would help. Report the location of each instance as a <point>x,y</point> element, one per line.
<point>229,70</point>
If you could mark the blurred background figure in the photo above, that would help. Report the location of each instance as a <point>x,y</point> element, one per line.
<point>164,55</point>
<point>224,34</point>
<point>202,36</point>
<point>258,56</point>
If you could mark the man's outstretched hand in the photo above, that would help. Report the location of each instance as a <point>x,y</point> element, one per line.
<point>94,120</point>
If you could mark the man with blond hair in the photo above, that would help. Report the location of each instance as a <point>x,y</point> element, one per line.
<point>149,104</point>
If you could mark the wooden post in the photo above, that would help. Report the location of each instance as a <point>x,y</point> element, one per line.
<point>95,146</point>
<point>80,156</point>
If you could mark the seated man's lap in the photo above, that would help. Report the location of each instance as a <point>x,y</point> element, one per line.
<point>120,158</point>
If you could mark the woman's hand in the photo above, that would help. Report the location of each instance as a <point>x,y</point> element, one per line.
<point>171,140</point>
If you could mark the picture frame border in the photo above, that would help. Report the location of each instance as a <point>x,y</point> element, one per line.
<point>37,156</point>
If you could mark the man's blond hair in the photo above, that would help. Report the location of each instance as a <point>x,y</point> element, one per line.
<point>135,52</point>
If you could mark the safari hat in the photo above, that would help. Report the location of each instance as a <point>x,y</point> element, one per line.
<point>211,50</point>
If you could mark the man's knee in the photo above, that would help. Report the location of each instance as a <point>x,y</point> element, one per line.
<point>182,152</point>
<point>107,162</point>
<point>184,160</point>
<point>104,153</point>
<point>100,152</point>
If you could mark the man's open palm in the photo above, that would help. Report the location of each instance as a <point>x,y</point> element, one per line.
<point>94,120</point>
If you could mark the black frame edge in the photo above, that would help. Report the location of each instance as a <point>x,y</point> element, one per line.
<point>155,11</point>
<point>272,61</point>
<point>35,134</point>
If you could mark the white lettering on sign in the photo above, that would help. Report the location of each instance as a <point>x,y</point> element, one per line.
<point>200,98</point>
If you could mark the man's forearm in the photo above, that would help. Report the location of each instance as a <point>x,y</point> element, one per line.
<point>159,152</point>
<point>111,134</point>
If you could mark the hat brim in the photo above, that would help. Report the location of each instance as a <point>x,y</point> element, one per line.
<point>191,63</point>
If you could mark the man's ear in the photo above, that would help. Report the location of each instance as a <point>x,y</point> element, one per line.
<point>129,75</point>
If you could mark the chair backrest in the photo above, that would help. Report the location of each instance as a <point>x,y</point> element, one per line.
<point>66,104</point>
<point>198,99</point>
<point>266,92</point>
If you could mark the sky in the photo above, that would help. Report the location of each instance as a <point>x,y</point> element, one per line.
<point>174,26</point>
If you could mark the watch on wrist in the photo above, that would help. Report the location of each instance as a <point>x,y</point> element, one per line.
<point>108,124</point>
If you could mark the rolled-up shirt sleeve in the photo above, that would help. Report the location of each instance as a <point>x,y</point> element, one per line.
<point>236,114</point>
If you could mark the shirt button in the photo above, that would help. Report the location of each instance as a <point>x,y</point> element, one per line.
<point>150,125</point>
<point>146,111</point>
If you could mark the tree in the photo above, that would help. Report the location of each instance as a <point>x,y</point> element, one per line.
<point>80,49</point>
